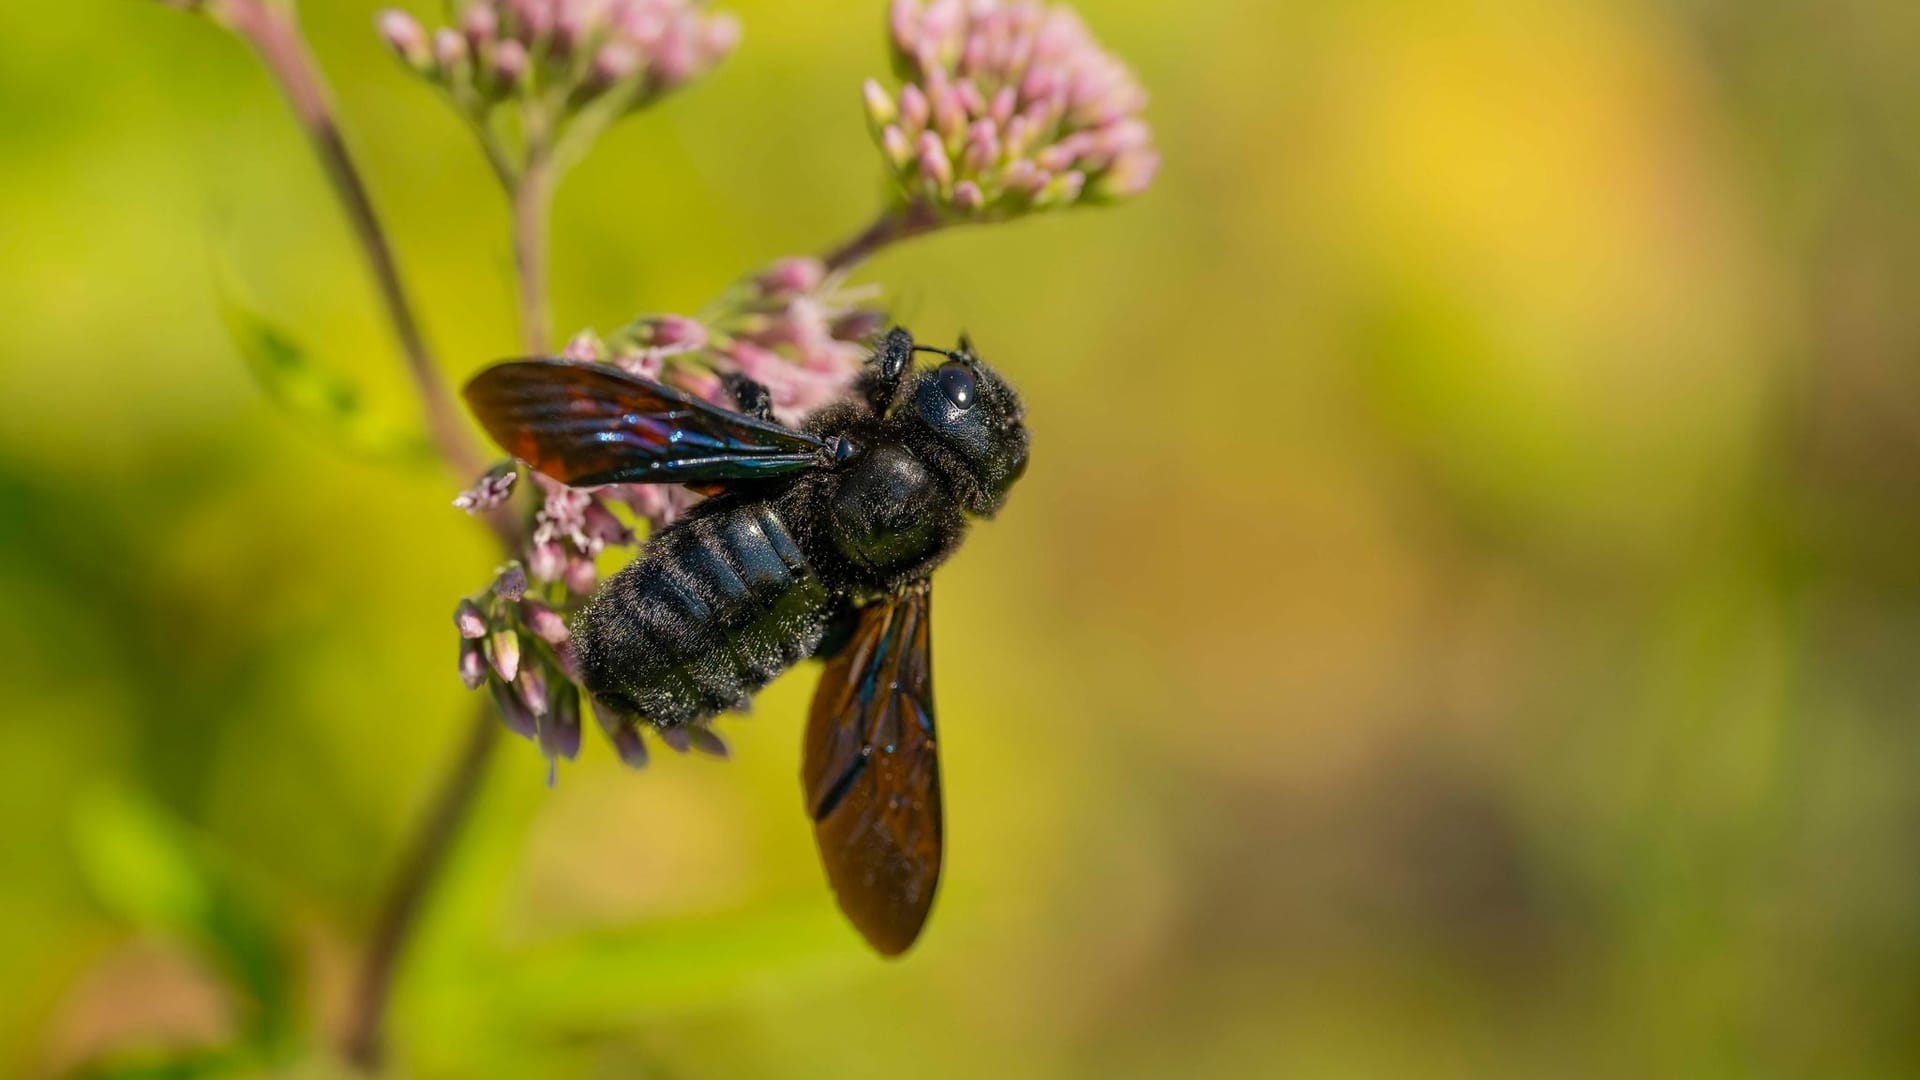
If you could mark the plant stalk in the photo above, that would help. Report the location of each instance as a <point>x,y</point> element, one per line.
<point>532,202</point>
<point>896,223</point>
<point>364,1042</point>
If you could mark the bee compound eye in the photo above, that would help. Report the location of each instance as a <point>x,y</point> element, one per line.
<point>957,383</point>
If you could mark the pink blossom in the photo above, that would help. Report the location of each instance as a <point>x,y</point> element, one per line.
<point>1008,106</point>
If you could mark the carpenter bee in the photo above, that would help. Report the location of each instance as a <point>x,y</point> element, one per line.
<point>815,541</point>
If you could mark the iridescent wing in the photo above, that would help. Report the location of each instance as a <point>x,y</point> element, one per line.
<point>872,780</point>
<point>591,424</point>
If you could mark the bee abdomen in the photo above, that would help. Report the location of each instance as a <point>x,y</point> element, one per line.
<point>720,605</point>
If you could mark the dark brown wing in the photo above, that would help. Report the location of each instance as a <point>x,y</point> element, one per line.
<point>590,424</point>
<point>872,780</point>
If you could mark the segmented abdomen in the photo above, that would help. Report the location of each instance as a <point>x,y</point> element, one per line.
<point>720,604</point>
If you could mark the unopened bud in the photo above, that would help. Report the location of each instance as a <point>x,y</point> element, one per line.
<point>796,274</point>
<point>669,332</point>
<point>614,63</point>
<point>468,617</point>
<point>914,110</point>
<point>631,748</point>
<point>473,663</point>
<point>503,650</point>
<point>509,65</point>
<point>603,528</point>
<point>512,712</point>
<point>585,348</point>
<point>561,735</point>
<point>896,145</point>
<point>580,576</point>
<point>547,561</point>
<point>512,583</point>
<point>881,110</point>
<point>532,688</point>
<point>704,740</point>
<point>545,622</point>
<point>449,49</point>
<point>934,163</point>
<point>481,26</point>
<point>490,490</point>
<point>404,35</point>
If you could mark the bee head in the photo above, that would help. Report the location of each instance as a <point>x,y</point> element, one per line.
<point>976,419</point>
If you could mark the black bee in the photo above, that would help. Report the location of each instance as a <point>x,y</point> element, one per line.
<point>815,542</point>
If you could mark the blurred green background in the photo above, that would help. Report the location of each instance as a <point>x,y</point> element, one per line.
<point>1463,618</point>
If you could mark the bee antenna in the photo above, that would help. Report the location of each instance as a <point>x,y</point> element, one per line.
<point>936,352</point>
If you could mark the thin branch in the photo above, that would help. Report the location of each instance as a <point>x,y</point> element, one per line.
<point>532,197</point>
<point>897,223</point>
<point>425,858</point>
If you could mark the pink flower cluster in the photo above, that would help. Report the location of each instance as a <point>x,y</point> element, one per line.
<point>1008,106</point>
<point>795,331</point>
<point>626,51</point>
<point>518,648</point>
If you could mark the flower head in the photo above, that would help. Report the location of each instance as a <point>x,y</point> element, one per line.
<point>1008,106</point>
<point>563,66</point>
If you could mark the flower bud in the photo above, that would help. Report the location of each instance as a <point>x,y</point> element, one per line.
<point>532,19</point>
<point>914,110</point>
<point>602,528</point>
<point>547,560</point>
<point>449,50</point>
<point>561,735</point>
<point>898,148</point>
<point>481,26</point>
<point>473,663</point>
<point>669,332</point>
<point>490,490</point>
<point>585,347</point>
<point>933,161</point>
<point>614,63</point>
<point>580,576</point>
<point>503,651</point>
<point>513,712</point>
<point>532,688</point>
<point>511,585</point>
<point>631,748</point>
<point>405,36</point>
<point>881,110</point>
<point>468,617</point>
<point>859,325</point>
<point>509,65</point>
<point>704,740</point>
<point>546,623</point>
<point>797,274</point>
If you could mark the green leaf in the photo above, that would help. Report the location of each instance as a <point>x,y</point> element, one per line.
<point>323,401</point>
<point>150,870</point>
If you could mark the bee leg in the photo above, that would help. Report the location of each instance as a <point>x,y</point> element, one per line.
<point>752,397</point>
<point>880,382</point>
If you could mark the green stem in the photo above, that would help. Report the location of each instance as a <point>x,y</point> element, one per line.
<point>364,1042</point>
<point>532,195</point>
<point>896,223</point>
